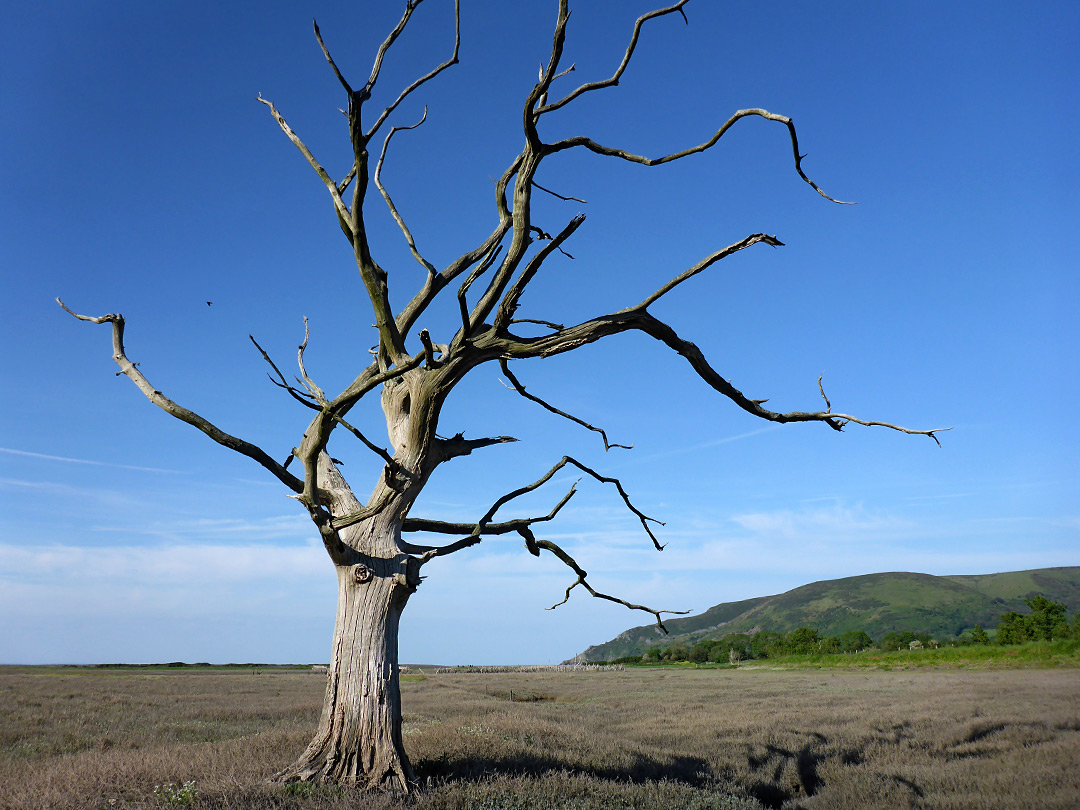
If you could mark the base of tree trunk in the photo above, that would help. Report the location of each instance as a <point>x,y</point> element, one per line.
<point>358,740</point>
<point>396,772</point>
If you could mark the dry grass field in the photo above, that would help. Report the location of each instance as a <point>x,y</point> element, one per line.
<point>640,738</point>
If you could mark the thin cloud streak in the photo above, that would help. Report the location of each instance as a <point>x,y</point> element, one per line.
<point>67,460</point>
<point>180,566</point>
<point>294,528</point>
<point>682,451</point>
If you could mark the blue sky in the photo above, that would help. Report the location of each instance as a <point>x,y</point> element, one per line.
<point>140,176</point>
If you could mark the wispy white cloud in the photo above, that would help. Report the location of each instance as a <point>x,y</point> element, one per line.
<point>837,521</point>
<point>938,497</point>
<point>694,448</point>
<point>66,460</point>
<point>87,497</point>
<point>277,527</point>
<point>188,563</point>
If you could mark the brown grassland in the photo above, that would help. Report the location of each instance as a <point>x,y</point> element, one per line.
<point>639,738</point>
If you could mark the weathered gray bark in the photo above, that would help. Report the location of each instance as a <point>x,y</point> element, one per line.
<point>358,739</point>
<point>359,734</point>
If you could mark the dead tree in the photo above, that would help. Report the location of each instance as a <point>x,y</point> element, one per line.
<point>359,735</point>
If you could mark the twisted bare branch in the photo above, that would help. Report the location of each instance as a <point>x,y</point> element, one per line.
<point>664,333</point>
<point>377,177</point>
<point>828,405</point>
<point>410,7</point>
<point>547,406</point>
<point>538,95</point>
<point>548,324</point>
<point>636,318</point>
<point>381,452</point>
<point>485,526</point>
<point>708,261</point>
<point>316,392</point>
<point>486,252</point>
<point>593,146</point>
<point>331,186</point>
<point>133,373</point>
<point>344,184</point>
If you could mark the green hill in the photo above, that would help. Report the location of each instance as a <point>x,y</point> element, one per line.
<point>944,607</point>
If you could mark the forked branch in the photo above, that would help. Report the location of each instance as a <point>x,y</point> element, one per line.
<point>485,526</point>
<point>463,291</point>
<point>475,532</point>
<point>485,253</point>
<point>509,304</point>
<point>582,580</point>
<point>644,519</point>
<point>316,392</point>
<point>453,60</point>
<point>614,79</point>
<point>303,397</point>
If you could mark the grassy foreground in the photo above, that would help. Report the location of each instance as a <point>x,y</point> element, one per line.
<point>641,738</point>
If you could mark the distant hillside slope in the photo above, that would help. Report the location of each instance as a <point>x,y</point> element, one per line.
<point>944,607</point>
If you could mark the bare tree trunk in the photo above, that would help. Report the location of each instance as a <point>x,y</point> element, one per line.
<point>359,735</point>
<point>358,739</point>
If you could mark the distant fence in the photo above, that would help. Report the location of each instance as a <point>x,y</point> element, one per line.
<point>524,668</point>
<point>535,668</point>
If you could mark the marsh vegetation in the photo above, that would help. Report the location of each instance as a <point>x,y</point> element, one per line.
<point>642,738</point>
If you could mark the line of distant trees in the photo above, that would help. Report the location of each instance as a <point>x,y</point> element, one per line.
<point>1047,621</point>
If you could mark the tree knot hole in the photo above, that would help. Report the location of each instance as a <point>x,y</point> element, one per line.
<point>361,573</point>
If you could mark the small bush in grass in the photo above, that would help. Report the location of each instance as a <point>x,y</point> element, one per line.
<point>299,788</point>
<point>184,795</point>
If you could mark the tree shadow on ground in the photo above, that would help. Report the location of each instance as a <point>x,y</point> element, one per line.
<point>782,774</point>
<point>692,771</point>
<point>777,775</point>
